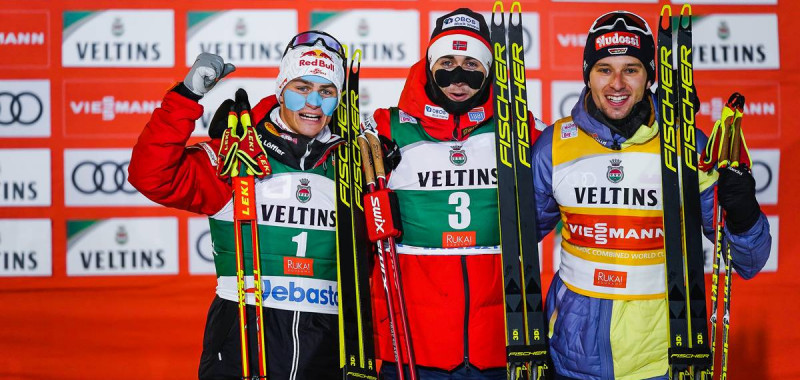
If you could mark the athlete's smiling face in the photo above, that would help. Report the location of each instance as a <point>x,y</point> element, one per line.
<point>458,91</point>
<point>310,119</point>
<point>617,84</point>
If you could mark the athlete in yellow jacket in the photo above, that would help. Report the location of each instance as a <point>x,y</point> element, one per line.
<point>598,173</point>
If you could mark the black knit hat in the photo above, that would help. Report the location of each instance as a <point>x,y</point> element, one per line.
<point>620,33</point>
<point>461,32</point>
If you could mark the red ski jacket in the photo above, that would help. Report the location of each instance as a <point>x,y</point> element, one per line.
<point>455,303</point>
<point>168,172</point>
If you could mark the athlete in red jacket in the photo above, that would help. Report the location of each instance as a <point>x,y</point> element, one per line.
<point>296,226</point>
<point>446,184</point>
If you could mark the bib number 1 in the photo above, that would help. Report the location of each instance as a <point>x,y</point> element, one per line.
<point>301,240</point>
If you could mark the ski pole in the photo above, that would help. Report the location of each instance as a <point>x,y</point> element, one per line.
<point>249,191</point>
<point>376,174</point>
<point>722,131</point>
<point>243,159</point>
<point>736,143</point>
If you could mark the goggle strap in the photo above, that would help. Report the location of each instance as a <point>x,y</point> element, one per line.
<point>639,24</point>
<point>311,39</point>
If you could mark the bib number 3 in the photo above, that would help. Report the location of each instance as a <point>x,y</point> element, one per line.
<point>461,218</point>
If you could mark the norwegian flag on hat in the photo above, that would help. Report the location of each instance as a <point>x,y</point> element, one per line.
<point>460,45</point>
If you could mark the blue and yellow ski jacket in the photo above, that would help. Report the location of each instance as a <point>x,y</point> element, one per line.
<point>606,305</point>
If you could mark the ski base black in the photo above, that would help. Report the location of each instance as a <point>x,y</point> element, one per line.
<point>689,353</point>
<point>526,333</point>
<point>357,349</point>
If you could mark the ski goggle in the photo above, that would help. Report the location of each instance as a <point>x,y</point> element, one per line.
<point>630,20</point>
<point>311,37</point>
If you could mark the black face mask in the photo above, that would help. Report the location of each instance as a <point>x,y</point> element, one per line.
<point>433,91</point>
<point>444,78</point>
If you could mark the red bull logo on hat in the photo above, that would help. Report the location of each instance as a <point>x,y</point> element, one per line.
<point>321,63</point>
<point>317,54</point>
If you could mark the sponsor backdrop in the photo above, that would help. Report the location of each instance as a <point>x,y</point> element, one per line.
<point>97,281</point>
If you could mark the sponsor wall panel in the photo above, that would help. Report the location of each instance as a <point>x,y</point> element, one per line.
<point>114,69</point>
<point>25,177</point>
<point>605,1</point>
<point>766,172</point>
<point>110,108</point>
<point>726,2</point>
<point>396,46</point>
<point>201,250</point>
<point>246,38</point>
<point>118,38</point>
<point>26,248</point>
<point>122,246</point>
<point>735,42</point>
<point>564,95</point>
<point>378,93</point>
<point>568,37</point>
<point>25,38</point>
<point>25,108</point>
<point>534,88</point>
<point>99,177</point>
<point>257,88</point>
<point>762,118</point>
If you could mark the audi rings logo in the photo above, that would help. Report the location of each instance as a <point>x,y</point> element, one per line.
<point>202,246</point>
<point>107,177</point>
<point>527,38</point>
<point>566,104</point>
<point>763,175</point>
<point>24,108</point>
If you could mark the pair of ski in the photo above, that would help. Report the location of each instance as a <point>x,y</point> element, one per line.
<point>526,332</point>
<point>689,354</point>
<point>356,348</point>
<point>354,249</point>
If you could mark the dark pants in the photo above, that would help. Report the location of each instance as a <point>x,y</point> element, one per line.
<point>300,345</point>
<point>389,372</point>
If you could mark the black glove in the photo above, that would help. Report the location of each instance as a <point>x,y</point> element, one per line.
<point>737,195</point>
<point>219,123</point>
<point>391,153</point>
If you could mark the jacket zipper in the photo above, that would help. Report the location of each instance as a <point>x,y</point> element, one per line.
<point>465,276</point>
<point>466,311</point>
<point>306,154</point>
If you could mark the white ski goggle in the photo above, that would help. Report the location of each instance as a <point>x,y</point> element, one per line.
<point>630,20</point>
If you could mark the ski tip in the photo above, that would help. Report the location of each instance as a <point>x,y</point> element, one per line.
<point>355,63</point>
<point>497,10</point>
<point>516,10</point>
<point>686,16</point>
<point>686,9</point>
<point>667,9</point>
<point>665,19</point>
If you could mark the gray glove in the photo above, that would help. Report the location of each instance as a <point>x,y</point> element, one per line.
<point>206,71</point>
